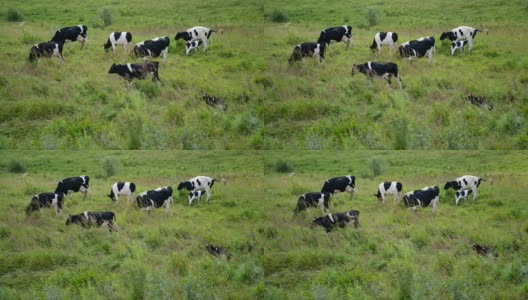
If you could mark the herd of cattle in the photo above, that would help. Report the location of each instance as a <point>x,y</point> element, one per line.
<point>156,47</point>
<point>422,47</point>
<point>429,195</point>
<point>162,196</point>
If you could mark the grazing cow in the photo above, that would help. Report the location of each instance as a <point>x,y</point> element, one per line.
<point>45,200</point>
<point>460,33</point>
<point>196,33</point>
<point>73,185</point>
<point>118,38</point>
<point>393,188</point>
<point>465,182</point>
<point>418,48</point>
<point>462,194</point>
<point>308,49</point>
<point>153,48</point>
<point>199,183</point>
<point>155,198</point>
<point>73,33</point>
<point>139,71</point>
<point>87,219</point>
<point>122,188</point>
<point>338,34</point>
<point>337,219</point>
<point>47,49</point>
<point>384,38</point>
<point>422,198</point>
<point>340,184</point>
<point>312,200</point>
<point>384,70</point>
<point>196,195</point>
<point>458,45</point>
<point>192,45</point>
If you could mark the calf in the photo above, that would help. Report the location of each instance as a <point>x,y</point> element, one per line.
<point>384,70</point>
<point>458,45</point>
<point>196,33</point>
<point>199,183</point>
<point>465,182</point>
<point>153,48</point>
<point>393,188</point>
<point>73,185</point>
<point>384,38</point>
<point>338,34</point>
<point>340,184</point>
<point>418,48</point>
<point>73,33</point>
<point>462,194</point>
<point>45,200</point>
<point>122,188</point>
<point>308,49</point>
<point>48,49</point>
<point>422,198</point>
<point>87,219</point>
<point>196,195</point>
<point>192,45</point>
<point>342,220</point>
<point>136,71</point>
<point>460,33</point>
<point>155,198</point>
<point>118,38</point>
<point>312,200</point>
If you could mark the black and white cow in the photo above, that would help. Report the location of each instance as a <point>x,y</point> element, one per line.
<point>342,220</point>
<point>460,194</point>
<point>458,45</point>
<point>385,70</point>
<point>153,48</point>
<point>340,184</point>
<point>122,188</point>
<point>45,200</point>
<point>196,33</point>
<point>338,34</point>
<point>418,48</point>
<point>73,185</point>
<point>196,195</point>
<point>73,33</point>
<point>393,188</point>
<point>308,49</point>
<point>192,45</point>
<point>465,182</point>
<point>199,183</point>
<point>313,200</point>
<point>155,199</point>
<point>47,49</point>
<point>88,219</point>
<point>460,33</point>
<point>136,71</point>
<point>384,38</point>
<point>422,198</point>
<point>118,38</point>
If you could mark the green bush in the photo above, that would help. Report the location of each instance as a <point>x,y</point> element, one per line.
<point>282,166</point>
<point>14,166</point>
<point>372,16</point>
<point>106,16</point>
<point>109,166</point>
<point>377,167</point>
<point>14,15</point>
<point>278,16</point>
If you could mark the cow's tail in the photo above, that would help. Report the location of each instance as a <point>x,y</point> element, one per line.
<point>223,180</point>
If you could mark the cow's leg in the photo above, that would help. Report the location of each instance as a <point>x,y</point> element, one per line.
<point>208,193</point>
<point>84,197</point>
<point>379,49</point>
<point>167,205</point>
<point>435,203</point>
<point>399,81</point>
<point>475,193</point>
<point>430,56</point>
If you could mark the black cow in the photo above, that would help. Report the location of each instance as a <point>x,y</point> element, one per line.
<point>155,198</point>
<point>87,219</point>
<point>73,185</point>
<point>47,49</point>
<point>308,49</point>
<point>45,200</point>
<point>340,184</point>
<point>422,198</point>
<point>73,33</point>
<point>312,200</point>
<point>342,220</point>
<point>136,71</point>
<point>418,48</point>
<point>153,48</point>
<point>380,69</point>
<point>338,34</point>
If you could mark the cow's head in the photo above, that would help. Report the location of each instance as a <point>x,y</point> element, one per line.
<point>33,205</point>
<point>296,55</point>
<point>356,68</point>
<point>70,220</point>
<point>107,46</point>
<point>301,205</point>
<point>447,35</point>
<point>113,69</point>
<point>111,195</point>
<point>452,184</point>
<point>186,185</point>
<point>378,195</point>
<point>33,54</point>
<point>317,222</point>
<point>183,35</point>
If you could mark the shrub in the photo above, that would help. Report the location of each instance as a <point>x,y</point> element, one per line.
<point>282,166</point>
<point>106,16</point>
<point>400,135</point>
<point>109,166</point>
<point>278,16</point>
<point>14,15</point>
<point>372,16</point>
<point>376,165</point>
<point>15,166</point>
